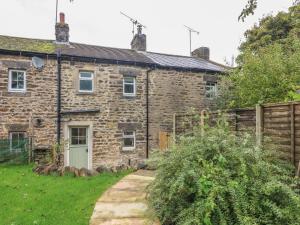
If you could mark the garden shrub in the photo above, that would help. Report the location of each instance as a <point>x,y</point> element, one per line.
<point>219,179</point>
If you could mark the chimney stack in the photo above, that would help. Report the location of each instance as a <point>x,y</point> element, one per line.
<point>202,52</point>
<point>139,42</point>
<point>62,30</point>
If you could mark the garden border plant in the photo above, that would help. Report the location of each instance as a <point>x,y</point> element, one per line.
<point>220,178</point>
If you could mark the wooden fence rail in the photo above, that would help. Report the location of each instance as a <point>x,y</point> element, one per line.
<point>277,122</point>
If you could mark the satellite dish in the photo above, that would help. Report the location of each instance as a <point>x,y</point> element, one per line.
<point>38,63</point>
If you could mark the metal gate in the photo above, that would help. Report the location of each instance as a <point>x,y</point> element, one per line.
<point>15,152</point>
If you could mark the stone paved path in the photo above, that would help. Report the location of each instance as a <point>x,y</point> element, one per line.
<point>124,203</point>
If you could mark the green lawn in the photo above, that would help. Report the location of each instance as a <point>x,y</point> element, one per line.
<point>29,199</point>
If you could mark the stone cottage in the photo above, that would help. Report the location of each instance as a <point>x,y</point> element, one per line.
<point>105,105</point>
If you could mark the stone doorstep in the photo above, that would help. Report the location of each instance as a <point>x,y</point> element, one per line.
<point>124,221</point>
<point>119,210</point>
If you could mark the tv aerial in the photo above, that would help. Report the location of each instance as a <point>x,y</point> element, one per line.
<point>191,30</point>
<point>134,23</point>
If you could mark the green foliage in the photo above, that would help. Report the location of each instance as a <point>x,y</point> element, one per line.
<point>222,179</point>
<point>248,10</point>
<point>272,74</point>
<point>269,68</point>
<point>271,30</point>
<point>252,6</point>
<point>28,199</point>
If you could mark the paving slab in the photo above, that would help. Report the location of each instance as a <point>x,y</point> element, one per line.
<point>125,203</point>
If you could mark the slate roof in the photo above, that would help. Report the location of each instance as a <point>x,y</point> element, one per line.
<point>117,55</point>
<point>176,61</point>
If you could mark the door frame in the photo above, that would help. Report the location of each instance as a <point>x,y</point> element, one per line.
<point>89,126</point>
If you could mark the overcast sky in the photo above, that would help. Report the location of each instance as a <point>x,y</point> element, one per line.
<point>99,22</point>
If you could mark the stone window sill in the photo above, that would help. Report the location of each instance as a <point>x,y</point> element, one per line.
<point>85,93</point>
<point>129,97</point>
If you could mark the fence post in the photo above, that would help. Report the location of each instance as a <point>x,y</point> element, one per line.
<point>235,121</point>
<point>28,149</point>
<point>259,124</point>
<point>174,127</point>
<point>292,109</point>
<point>202,121</point>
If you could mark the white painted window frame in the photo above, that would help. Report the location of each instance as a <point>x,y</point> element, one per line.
<point>10,89</point>
<point>213,90</point>
<point>11,138</point>
<point>129,136</point>
<point>134,86</point>
<point>86,78</point>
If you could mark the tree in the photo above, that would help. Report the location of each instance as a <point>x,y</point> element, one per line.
<point>272,74</point>
<point>272,29</point>
<point>268,65</point>
<point>251,7</point>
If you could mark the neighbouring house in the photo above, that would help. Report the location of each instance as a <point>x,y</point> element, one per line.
<point>105,105</point>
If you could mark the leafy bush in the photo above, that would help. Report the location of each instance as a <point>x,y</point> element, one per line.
<point>270,75</point>
<point>222,179</point>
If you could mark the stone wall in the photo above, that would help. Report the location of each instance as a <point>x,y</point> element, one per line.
<point>169,92</point>
<point>117,113</point>
<point>19,111</point>
<point>174,92</point>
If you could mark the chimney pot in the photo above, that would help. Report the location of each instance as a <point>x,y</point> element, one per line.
<point>62,30</point>
<point>62,18</point>
<point>139,42</point>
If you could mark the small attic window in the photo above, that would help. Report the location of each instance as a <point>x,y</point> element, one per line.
<point>17,81</point>
<point>86,82</point>
<point>129,86</point>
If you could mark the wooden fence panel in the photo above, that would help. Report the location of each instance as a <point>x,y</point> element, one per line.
<point>279,123</point>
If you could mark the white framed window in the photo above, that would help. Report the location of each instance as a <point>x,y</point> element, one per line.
<point>129,86</point>
<point>86,82</point>
<point>211,90</point>
<point>128,140</point>
<point>17,81</point>
<point>79,136</point>
<point>17,141</point>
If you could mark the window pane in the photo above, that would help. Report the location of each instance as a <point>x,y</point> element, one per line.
<point>82,140</point>
<point>17,80</point>
<point>129,80</point>
<point>129,89</point>
<point>74,132</point>
<point>86,85</point>
<point>74,141</point>
<point>14,76</point>
<point>21,136</point>
<point>17,140</point>
<point>20,76</point>
<point>85,75</point>
<point>128,142</point>
<point>20,85</point>
<point>82,132</point>
<point>14,84</point>
<point>211,90</point>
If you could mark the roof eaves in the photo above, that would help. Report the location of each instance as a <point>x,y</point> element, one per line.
<point>108,61</point>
